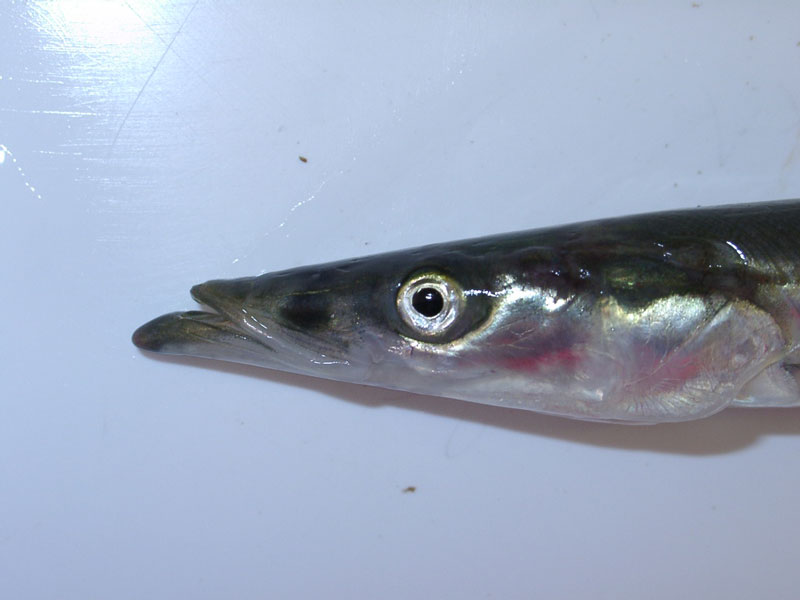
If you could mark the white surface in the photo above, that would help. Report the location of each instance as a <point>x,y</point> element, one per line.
<point>147,148</point>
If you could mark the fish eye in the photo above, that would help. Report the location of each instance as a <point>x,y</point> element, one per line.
<point>430,303</point>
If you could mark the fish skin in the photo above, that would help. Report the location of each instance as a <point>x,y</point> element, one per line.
<point>650,318</point>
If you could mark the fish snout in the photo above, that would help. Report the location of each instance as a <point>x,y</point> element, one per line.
<point>224,295</point>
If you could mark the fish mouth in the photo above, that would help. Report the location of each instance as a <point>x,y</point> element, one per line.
<point>215,333</point>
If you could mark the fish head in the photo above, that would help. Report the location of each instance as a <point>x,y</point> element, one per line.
<point>418,320</point>
<point>640,319</point>
<point>528,331</point>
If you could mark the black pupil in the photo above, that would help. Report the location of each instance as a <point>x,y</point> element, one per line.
<point>428,302</point>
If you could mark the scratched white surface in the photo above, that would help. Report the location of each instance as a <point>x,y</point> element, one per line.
<point>148,146</point>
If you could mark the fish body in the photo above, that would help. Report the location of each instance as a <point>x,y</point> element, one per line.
<point>650,318</point>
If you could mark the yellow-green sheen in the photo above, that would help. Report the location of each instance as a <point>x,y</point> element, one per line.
<point>651,318</point>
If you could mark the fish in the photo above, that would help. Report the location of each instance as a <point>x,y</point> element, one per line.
<point>652,318</point>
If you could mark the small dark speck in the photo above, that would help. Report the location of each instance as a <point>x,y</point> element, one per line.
<point>675,184</point>
<point>695,5</point>
<point>410,489</point>
<point>699,172</point>
<point>752,37</point>
<point>303,159</point>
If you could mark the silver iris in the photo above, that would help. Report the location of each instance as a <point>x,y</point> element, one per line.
<point>444,302</point>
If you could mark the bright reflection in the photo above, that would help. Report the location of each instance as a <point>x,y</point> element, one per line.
<point>83,24</point>
<point>106,51</point>
<point>738,251</point>
<point>2,154</point>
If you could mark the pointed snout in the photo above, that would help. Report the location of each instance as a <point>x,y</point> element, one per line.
<point>224,295</point>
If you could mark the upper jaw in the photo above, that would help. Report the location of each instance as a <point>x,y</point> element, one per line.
<point>238,331</point>
<point>225,296</point>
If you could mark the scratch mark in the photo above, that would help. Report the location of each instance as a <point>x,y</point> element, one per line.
<point>6,154</point>
<point>794,152</point>
<point>181,58</point>
<point>65,113</point>
<point>149,77</point>
<point>301,203</point>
